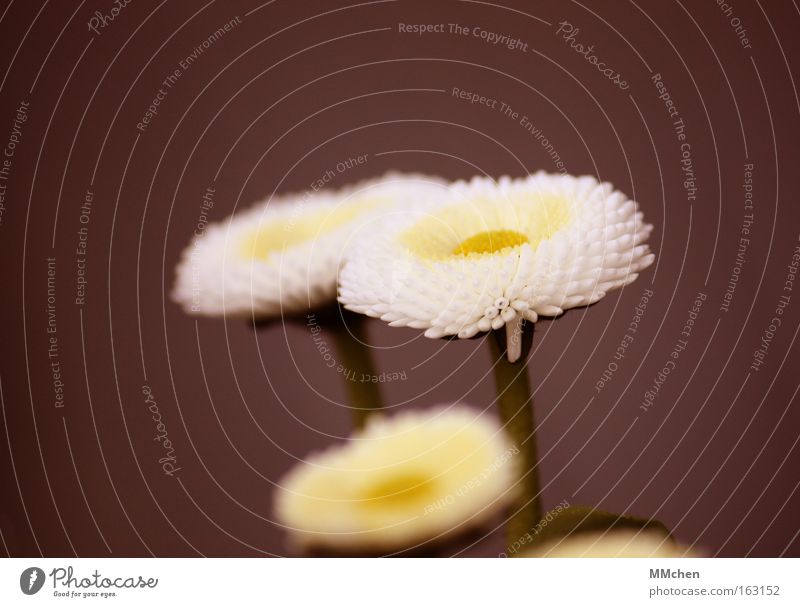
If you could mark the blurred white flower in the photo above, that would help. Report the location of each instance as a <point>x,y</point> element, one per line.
<point>623,543</point>
<point>489,254</point>
<point>417,476</point>
<point>282,256</point>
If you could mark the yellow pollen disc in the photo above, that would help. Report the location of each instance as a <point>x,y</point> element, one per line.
<point>490,241</point>
<point>275,235</point>
<point>486,225</point>
<point>398,490</point>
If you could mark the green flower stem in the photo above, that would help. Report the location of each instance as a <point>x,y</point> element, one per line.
<point>516,412</point>
<point>349,334</point>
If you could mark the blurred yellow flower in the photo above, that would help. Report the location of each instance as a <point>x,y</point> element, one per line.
<point>282,256</point>
<point>627,543</point>
<point>403,480</point>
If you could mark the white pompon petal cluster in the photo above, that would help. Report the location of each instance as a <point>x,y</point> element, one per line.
<point>403,480</point>
<point>282,256</point>
<point>491,253</point>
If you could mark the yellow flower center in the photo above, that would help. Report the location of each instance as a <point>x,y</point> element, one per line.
<point>398,490</point>
<point>299,226</point>
<point>487,225</point>
<point>490,241</point>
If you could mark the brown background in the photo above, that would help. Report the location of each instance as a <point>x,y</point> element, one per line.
<point>300,86</point>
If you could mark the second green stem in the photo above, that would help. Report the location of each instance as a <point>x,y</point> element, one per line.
<point>349,334</point>
<point>515,402</point>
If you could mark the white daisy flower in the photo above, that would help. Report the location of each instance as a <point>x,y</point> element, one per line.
<point>492,254</point>
<point>282,256</point>
<point>627,543</point>
<point>417,476</point>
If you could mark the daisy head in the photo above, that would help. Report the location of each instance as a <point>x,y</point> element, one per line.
<point>491,254</point>
<point>403,480</point>
<point>282,255</point>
